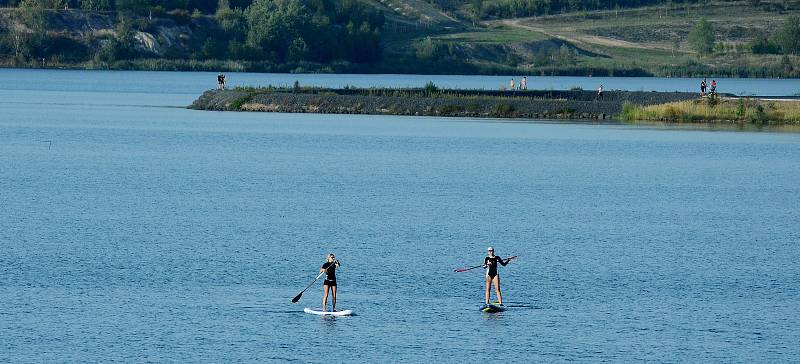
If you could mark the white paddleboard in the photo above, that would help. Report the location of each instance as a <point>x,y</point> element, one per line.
<point>329,313</point>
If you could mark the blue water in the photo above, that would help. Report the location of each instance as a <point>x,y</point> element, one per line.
<point>197,82</point>
<point>133,230</point>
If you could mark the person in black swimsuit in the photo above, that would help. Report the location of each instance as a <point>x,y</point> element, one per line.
<point>492,277</point>
<point>330,281</point>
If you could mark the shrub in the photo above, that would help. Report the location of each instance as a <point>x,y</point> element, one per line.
<point>759,116</point>
<point>628,110</point>
<point>431,87</point>
<point>740,108</point>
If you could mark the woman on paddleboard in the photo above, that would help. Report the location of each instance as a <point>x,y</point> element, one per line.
<point>330,281</point>
<point>492,277</point>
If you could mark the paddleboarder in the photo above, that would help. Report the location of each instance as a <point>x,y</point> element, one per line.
<point>492,277</point>
<point>329,268</point>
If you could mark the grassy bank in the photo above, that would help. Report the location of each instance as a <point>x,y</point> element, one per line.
<point>717,110</point>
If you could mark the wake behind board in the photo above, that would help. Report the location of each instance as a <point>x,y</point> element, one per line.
<point>329,313</point>
<point>493,308</point>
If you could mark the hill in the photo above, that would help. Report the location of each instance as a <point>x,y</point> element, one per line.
<point>748,38</point>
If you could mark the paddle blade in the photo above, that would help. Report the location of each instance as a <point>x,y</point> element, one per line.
<point>459,270</point>
<point>297,298</point>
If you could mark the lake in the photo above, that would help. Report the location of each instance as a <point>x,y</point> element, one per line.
<point>135,230</point>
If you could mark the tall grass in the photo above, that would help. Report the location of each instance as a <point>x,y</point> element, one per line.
<point>717,111</point>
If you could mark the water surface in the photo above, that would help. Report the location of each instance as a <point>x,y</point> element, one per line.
<point>141,231</point>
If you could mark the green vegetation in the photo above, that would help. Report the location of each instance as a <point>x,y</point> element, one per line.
<point>277,31</point>
<point>701,38</point>
<point>717,110</point>
<point>565,37</point>
<point>501,34</point>
<point>483,9</point>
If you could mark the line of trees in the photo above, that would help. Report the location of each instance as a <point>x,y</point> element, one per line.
<point>785,40</point>
<point>143,6</point>
<point>278,31</point>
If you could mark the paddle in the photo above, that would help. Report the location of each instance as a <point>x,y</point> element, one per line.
<point>297,298</point>
<point>480,266</point>
<point>459,270</point>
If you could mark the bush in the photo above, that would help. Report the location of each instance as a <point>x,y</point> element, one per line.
<point>763,45</point>
<point>760,116</point>
<point>740,108</point>
<point>628,110</point>
<point>430,87</point>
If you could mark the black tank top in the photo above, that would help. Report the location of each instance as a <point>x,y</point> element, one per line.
<point>330,270</point>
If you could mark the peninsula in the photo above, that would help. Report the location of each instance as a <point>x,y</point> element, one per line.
<point>432,101</point>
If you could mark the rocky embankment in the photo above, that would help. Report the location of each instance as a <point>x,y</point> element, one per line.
<point>453,103</point>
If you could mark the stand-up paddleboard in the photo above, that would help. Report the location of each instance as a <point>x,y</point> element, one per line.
<point>493,307</point>
<point>329,313</point>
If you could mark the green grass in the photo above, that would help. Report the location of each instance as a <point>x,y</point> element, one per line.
<point>758,112</point>
<point>501,35</point>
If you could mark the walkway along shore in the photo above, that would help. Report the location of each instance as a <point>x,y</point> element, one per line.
<point>540,104</point>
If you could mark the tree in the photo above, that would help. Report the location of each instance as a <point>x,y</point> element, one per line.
<point>275,24</point>
<point>788,36</point>
<point>298,50</point>
<point>476,10</point>
<point>230,20</point>
<point>702,38</point>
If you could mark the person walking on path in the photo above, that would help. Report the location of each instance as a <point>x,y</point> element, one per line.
<point>703,88</point>
<point>524,83</point>
<point>600,92</point>
<point>221,81</point>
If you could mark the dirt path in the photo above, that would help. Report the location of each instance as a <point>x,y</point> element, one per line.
<point>572,36</point>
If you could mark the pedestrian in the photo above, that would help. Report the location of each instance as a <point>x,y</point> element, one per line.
<point>221,81</point>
